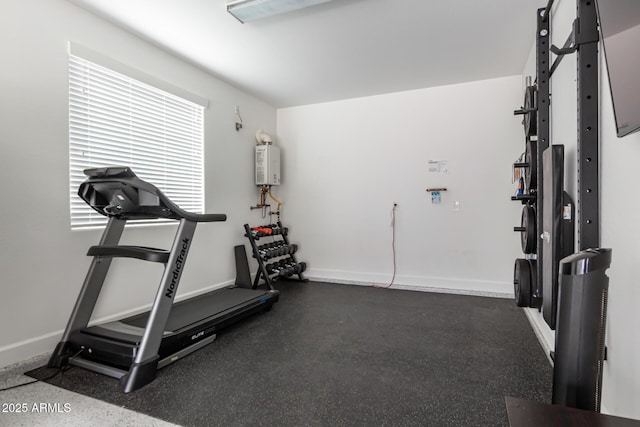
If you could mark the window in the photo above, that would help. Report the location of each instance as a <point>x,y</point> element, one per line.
<point>116,120</point>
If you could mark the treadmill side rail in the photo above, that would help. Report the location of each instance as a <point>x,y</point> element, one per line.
<point>100,368</point>
<point>185,351</point>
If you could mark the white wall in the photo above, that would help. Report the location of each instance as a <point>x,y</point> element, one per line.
<point>619,228</point>
<point>346,162</point>
<point>42,262</point>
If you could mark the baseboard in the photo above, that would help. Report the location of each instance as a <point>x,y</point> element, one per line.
<point>415,283</point>
<point>19,352</point>
<point>37,346</point>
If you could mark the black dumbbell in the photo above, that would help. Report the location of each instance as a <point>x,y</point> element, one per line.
<point>287,272</point>
<point>291,249</point>
<point>273,268</point>
<point>282,263</point>
<point>263,249</point>
<point>284,250</point>
<point>300,267</point>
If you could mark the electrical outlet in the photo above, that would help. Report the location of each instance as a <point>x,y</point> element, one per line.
<point>456,206</point>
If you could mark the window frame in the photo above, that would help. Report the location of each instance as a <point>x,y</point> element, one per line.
<point>129,118</point>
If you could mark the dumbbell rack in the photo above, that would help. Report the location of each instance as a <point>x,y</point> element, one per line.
<point>286,266</point>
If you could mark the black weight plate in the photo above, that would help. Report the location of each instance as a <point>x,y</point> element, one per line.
<point>536,302</point>
<point>522,282</point>
<point>531,172</point>
<point>528,238</point>
<point>530,120</point>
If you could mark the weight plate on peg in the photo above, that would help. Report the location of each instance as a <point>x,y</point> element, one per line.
<point>531,172</point>
<point>522,282</point>
<point>535,302</point>
<point>528,237</point>
<point>530,120</point>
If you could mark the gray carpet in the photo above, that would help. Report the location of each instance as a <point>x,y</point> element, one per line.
<point>338,355</point>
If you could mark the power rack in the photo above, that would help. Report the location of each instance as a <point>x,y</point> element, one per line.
<point>550,268</point>
<point>583,40</point>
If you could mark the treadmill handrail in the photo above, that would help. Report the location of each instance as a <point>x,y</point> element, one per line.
<point>116,191</point>
<point>126,251</point>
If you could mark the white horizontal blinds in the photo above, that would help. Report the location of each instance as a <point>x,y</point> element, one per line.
<point>115,120</point>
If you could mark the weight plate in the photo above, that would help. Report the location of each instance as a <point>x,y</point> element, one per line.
<point>530,120</point>
<point>522,282</point>
<point>531,172</point>
<point>535,302</point>
<point>528,238</point>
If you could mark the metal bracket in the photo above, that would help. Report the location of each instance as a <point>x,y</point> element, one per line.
<point>565,47</point>
<point>568,48</point>
<point>572,43</point>
<point>578,37</point>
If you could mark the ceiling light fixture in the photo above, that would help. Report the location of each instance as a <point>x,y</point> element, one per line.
<point>252,10</point>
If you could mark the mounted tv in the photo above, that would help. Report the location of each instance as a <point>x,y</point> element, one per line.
<point>620,30</point>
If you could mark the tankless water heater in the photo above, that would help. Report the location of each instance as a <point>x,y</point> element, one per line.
<point>267,165</point>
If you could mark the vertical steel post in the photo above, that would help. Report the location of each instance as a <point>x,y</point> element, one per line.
<point>588,131</point>
<point>543,41</point>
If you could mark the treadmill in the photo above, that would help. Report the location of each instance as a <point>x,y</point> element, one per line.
<point>132,349</point>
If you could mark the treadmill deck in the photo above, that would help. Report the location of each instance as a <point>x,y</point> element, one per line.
<point>190,321</point>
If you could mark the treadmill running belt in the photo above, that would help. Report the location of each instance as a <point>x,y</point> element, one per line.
<point>196,309</point>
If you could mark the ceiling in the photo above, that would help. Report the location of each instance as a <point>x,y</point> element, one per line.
<point>340,49</point>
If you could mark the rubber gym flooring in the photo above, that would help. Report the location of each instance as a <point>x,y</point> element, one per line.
<point>339,355</point>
